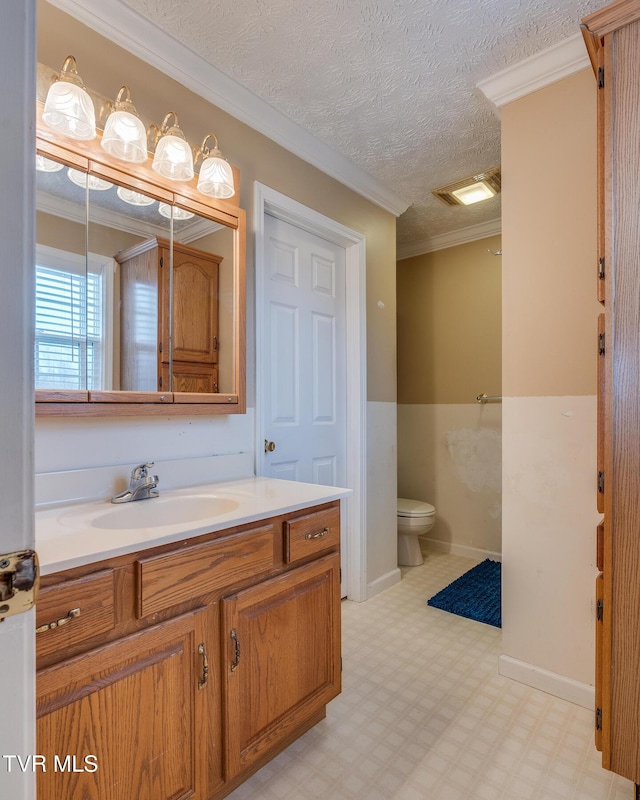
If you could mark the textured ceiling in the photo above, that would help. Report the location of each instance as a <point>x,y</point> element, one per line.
<point>388,83</point>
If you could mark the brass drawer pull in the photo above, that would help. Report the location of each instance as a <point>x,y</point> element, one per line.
<point>202,682</point>
<point>318,535</point>
<point>75,612</point>
<point>234,636</point>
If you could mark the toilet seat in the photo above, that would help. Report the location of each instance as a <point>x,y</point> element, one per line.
<point>414,508</point>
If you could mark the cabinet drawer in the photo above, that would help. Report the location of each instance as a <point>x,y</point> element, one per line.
<point>310,534</point>
<point>71,612</point>
<point>173,578</point>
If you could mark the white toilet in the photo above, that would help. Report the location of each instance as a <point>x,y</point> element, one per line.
<point>414,519</point>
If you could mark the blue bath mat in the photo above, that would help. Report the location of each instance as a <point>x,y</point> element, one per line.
<point>475,595</point>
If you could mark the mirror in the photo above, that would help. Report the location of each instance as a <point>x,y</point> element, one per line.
<point>137,295</point>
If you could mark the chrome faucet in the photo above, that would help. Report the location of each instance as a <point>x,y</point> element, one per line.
<point>142,486</point>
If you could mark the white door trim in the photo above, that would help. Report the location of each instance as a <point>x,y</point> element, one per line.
<point>267,200</point>
<point>17,256</point>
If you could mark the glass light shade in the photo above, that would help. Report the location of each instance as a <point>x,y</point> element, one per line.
<point>44,164</point>
<point>474,193</point>
<point>68,108</point>
<point>134,198</point>
<point>216,178</point>
<point>173,158</point>
<point>178,213</point>
<point>84,180</point>
<point>125,137</point>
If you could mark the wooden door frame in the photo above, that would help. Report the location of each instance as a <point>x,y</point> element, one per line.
<point>269,201</point>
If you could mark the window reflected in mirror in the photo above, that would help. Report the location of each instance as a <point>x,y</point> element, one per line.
<point>67,345</point>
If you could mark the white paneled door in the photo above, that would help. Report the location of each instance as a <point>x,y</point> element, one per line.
<point>304,323</point>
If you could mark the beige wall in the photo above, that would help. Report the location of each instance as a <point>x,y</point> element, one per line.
<point>449,312</point>
<point>549,223</point>
<point>449,446</point>
<point>105,67</point>
<point>549,367</point>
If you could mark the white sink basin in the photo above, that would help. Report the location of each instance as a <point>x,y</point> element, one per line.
<point>158,512</point>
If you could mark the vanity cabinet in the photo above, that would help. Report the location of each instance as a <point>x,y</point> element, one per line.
<point>612,36</point>
<point>145,292</point>
<point>135,710</point>
<point>181,669</point>
<point>282,655</point>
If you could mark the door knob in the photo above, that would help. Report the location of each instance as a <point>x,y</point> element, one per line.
<point>269,447</point>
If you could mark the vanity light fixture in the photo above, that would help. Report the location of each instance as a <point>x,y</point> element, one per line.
<point>84,180</point>
<point>216,177</point>
<point>173,157</point>
<point>134,198</point>
<point>164,209</point>
<point>472,189</point>
<point>124,134</point>
<point>44,164</point>
<point>68,108</point>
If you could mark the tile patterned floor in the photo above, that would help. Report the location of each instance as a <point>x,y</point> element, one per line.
<point>424,715</point>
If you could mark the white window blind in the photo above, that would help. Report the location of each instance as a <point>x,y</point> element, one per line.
<point>69,322</point>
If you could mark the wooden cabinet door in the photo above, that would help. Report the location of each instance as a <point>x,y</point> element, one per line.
<point>195,308</point>
<point>142,709</point>
<point>187,377</point>
<point>281,662</point>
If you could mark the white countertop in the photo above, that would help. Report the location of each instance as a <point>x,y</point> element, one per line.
<point>72,535</point>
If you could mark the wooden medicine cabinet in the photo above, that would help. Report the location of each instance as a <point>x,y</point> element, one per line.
<point>140,289</point>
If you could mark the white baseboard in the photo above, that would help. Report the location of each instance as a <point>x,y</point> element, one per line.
<point>383,583</point>
<point>453,549</point>
<point>582,694</point>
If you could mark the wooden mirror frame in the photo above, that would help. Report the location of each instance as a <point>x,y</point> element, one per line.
<point>90,157</point>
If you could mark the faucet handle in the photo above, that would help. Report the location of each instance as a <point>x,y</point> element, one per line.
<point>141,471</point>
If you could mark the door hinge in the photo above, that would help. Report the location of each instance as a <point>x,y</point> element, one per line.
<point>600,77</point>
<point>600,610</point>
<point>161,262</point>
<point>160,382</point>
<point>601,482</point>
<point>215,342</point>
<point>19,582</point>
<point>598,719</point>
<point>160,346</point>
<point>340,663</point>
<point>601,269</point>
<point>601,344</point>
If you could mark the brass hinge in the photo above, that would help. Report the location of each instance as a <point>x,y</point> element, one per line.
<point>601,269</point>
<point>601,482</point>
<point>19,582</point>
<point>600,77</point>
<point>598,719</point>
<point>600,610</point>
<point>601,344</point>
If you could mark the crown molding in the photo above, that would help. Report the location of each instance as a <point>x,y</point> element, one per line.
<point>130,30</point>
<point>125,223</point>
<point>533,73</point>
<point>443,240</point>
